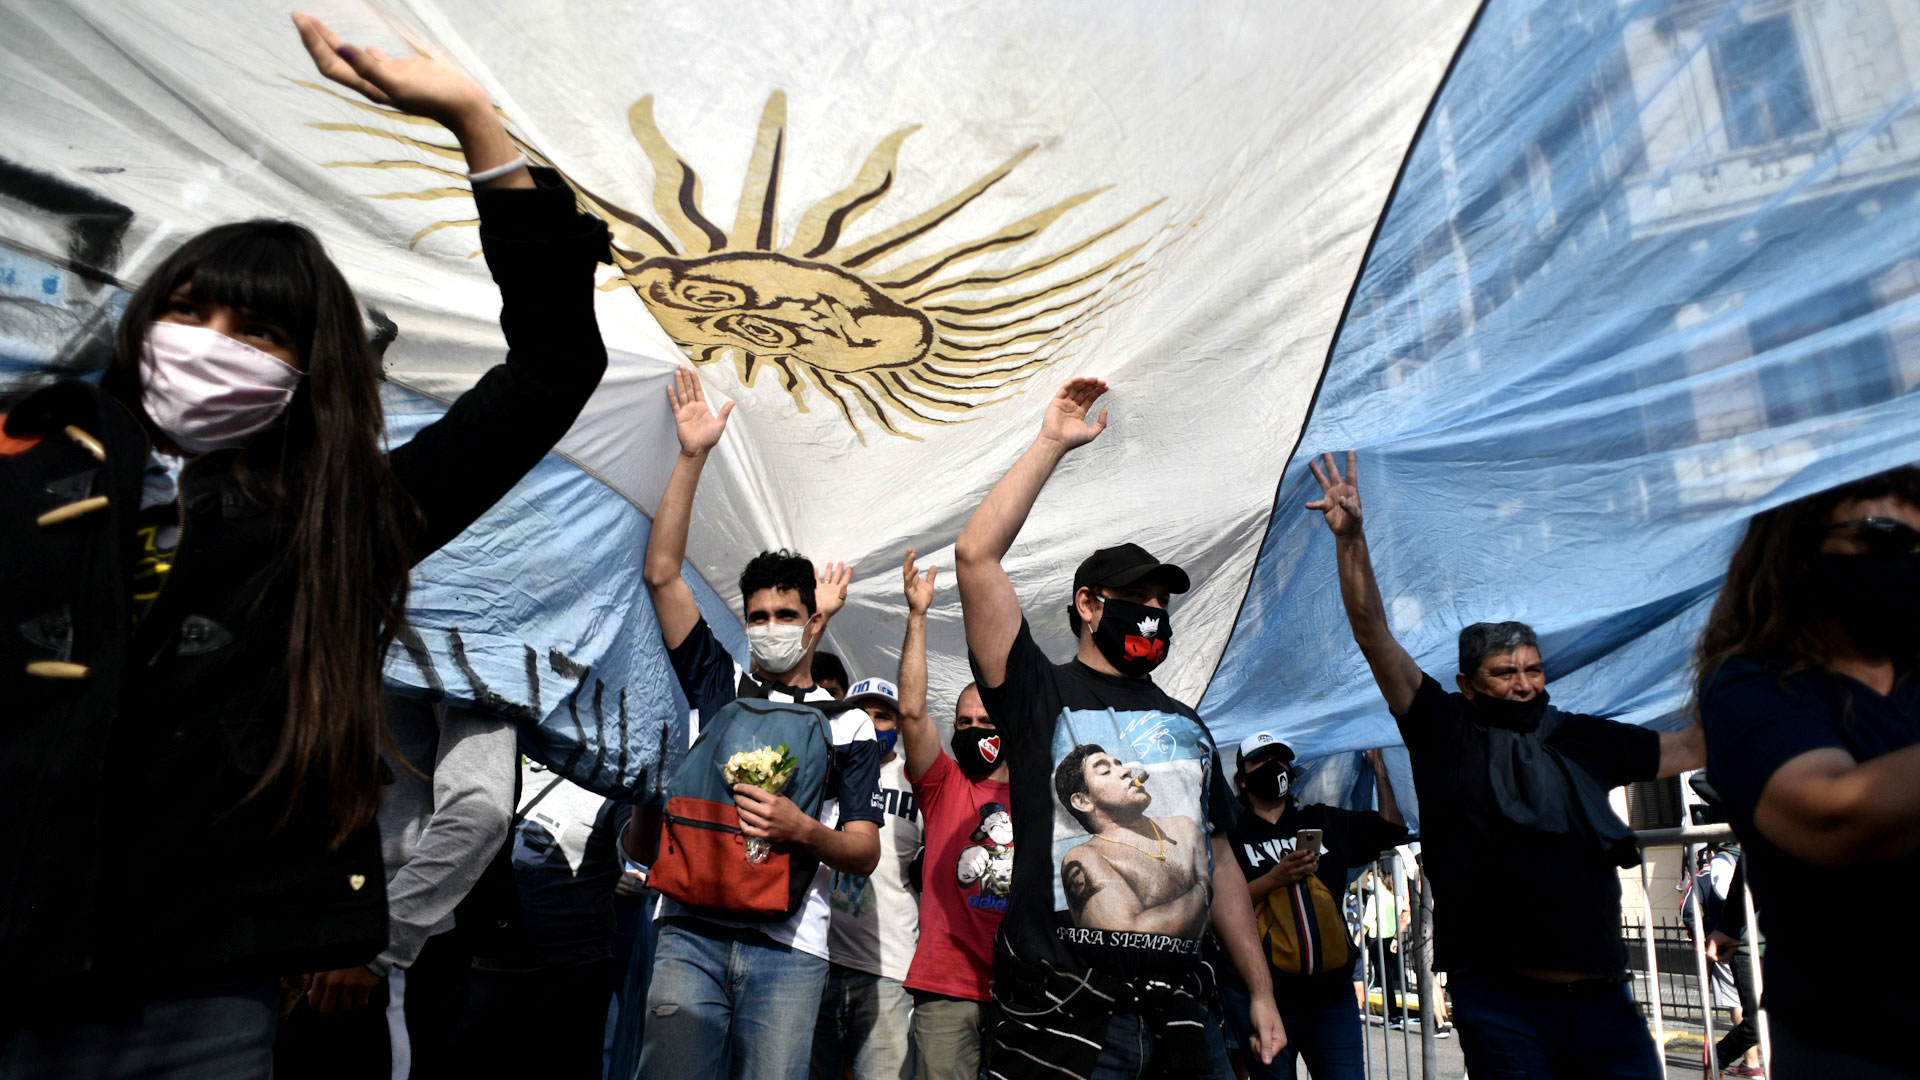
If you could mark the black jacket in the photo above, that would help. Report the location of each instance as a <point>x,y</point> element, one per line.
<point>129,858</point>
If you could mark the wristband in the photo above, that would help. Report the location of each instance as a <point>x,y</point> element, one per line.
<point>519,161</point>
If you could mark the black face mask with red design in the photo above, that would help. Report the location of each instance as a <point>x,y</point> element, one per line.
<point>1133,637</point>
<point>977,751</point>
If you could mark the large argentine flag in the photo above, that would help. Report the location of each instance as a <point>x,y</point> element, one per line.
<point>1583,284</point>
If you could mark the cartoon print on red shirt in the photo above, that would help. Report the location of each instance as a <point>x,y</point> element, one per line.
<point>988,863</point>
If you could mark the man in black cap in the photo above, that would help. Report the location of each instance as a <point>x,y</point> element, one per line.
<point>1077,988</point>
<point>1295,858</point>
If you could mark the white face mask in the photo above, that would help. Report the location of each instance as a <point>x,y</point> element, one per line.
<point>207,391</point>
<point>776,648</point>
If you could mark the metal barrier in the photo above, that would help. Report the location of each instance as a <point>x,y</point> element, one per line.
<point>1389,881</point>
<point>1691,839</point>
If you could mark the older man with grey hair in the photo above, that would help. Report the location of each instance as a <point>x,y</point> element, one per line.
<point>1516,832</point>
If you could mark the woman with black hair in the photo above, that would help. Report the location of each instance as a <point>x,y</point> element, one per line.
<point>207,557</point>
<point>1805,684</point>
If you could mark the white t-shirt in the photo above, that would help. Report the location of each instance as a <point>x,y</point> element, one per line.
<point>876,919</point>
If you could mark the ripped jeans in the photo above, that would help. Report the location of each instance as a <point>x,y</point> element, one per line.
<point>729,1003</point>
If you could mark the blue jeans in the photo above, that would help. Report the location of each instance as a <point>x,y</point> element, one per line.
<point>726,1002</point>
<point>864,1018</point>
<point>1327,1035</point>
<point>1127,1054</point>
<point>1524,1029</point>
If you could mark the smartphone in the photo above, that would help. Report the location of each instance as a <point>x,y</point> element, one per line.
<point>1307,840</point>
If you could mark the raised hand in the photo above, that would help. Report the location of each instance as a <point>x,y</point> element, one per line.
<point>693,420</point>
<point>1066,420</point>
<point>919,588</point>
<point>830,595</point>
<point>1339,495</point>
<point>420,85</point>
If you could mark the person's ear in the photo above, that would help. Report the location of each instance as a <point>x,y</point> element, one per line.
<point>1466,685</point>
<point>1087,603</point>
<point>1082,802</point>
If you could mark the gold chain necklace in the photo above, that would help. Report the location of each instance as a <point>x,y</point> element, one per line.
<point>1157,834</point>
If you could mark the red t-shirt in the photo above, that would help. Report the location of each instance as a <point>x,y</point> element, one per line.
<point>966,878</point>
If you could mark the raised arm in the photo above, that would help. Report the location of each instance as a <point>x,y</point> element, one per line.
<point>699,431</point>
<point>917,731</point>
<point>1394,670</point>
<point>1383,786</point>
<point>987,602</point>
<point>541,252</point>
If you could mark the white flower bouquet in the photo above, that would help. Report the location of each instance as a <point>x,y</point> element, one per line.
<point>768,768</point>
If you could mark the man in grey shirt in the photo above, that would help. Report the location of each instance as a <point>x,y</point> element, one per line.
<point>444,815</point>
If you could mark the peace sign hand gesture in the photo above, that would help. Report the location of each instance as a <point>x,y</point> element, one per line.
<point>693,420</point>
<point>1339,495</point>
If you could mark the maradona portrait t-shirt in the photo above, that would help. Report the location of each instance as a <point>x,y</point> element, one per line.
<point>1117,790</point>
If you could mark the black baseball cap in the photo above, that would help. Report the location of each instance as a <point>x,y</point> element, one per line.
<point>1127,564</point>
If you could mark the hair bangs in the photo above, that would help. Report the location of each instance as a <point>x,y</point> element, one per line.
<point>269,269</point>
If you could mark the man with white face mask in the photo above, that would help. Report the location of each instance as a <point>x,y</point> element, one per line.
<point>761,982</point>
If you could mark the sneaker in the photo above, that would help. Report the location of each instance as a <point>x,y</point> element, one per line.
<point>1375,1019</point>
<point>1397,1025</point>
<point>1444,1031</point>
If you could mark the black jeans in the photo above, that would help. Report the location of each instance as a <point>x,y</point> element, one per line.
<point>547,1023</point>
<point>1391,975</point>
<point>1513,1028</point>
<point>1745,1035</point>
<point>220,1031</point>
<point>357,1046</point>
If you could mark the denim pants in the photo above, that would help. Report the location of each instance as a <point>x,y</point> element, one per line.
<point>726,1002</point>
<point>212,1032</point>
<point>1326,1035</point>
<point>1524,1029</point>
<point>1128,1054</point>
<point>865,1019</point>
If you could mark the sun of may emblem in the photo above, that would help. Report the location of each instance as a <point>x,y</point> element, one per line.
<point>884,324</point>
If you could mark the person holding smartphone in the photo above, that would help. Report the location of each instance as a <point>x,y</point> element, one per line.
<point>1295,859</point>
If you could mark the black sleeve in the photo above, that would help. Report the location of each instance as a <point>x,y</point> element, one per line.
<point>705,669</point>
<point>1615,753</point>
<point>1027,670</point>
<point>1237,842</point>
<point>1369,834</point>
<point>1223,804</point>
<point>1431,710</point>
<point>542,254</point>
<point>857,765</point>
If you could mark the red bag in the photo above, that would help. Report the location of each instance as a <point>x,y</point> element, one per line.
<point>699,835</point>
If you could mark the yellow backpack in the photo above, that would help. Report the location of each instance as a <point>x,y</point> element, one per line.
<point>1303,929</point>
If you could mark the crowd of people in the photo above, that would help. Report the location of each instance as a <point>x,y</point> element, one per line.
<point>231,855</point>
